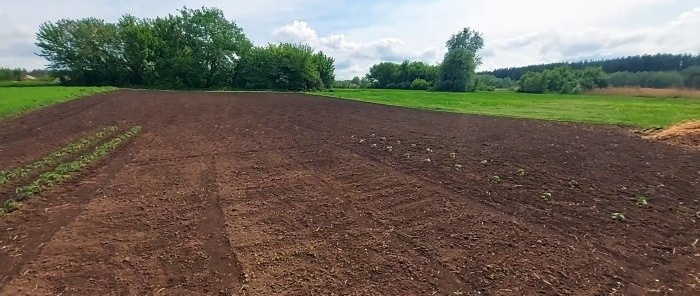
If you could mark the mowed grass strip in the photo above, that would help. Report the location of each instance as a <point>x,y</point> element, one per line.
<point>67,170</point>
<point>72,148</point>
<point>16,100</point>
<point>617,110</point>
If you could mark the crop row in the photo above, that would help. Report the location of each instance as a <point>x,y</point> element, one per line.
<point>65,171</point>
<point>6,176</point>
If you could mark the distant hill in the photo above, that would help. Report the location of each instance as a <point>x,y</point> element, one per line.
<point>640,63</point>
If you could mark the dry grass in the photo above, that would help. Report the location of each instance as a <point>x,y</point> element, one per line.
<point>686,133</point>
<point>647,92</point>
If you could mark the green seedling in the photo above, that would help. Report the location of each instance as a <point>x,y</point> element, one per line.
<point>458,167</point>
<point>6,176</point>
<point>521,172</point>
<point>546,196</point>
<point>66,170</point>
<point>485,162</point>
<point>642,200</point>
<point>10,205</point>
<point>496,180</point>
<point>573,184</point>
<point>618,216</point>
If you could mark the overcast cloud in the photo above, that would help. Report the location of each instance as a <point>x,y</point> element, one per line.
<point>362,32</point>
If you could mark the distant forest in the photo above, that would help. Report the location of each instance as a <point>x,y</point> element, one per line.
<point>640,63</point>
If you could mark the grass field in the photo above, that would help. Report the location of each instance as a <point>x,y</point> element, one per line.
<point>15,100</point>
<point>618,110</point>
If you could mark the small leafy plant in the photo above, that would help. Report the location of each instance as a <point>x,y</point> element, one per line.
<point>458,167</point>
<point>521,172</point>
<point>496,179</point>
<point>546,196</point>
<point>618,216</point>
<point>642,201</point>
<point>573,184</point>
<point>485,162</point>
<point>10,205</point>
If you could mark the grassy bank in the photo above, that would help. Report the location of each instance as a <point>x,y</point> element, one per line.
<point>619,110</point>
<point>15,100</point>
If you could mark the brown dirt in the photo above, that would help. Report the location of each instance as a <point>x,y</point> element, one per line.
<point>273,194</point>
<point>685,134</point>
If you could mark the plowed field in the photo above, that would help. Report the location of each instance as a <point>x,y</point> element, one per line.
<point>289,194</point>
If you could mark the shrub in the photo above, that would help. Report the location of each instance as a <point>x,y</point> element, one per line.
<point>420,84</point>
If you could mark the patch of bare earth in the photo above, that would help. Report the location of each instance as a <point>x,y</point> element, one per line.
<point>684,134</point>
<point>288,194</point>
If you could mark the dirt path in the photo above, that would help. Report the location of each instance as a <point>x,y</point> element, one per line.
<point>267,194</point>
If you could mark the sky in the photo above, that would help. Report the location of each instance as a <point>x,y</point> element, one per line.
<point>360,33</point>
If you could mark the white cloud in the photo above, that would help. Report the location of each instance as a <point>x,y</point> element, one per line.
<point>361,33</point>
<point>353,58</point>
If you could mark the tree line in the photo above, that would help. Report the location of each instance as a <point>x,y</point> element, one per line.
<point>18,74</point>
<point>195,48</point>
<point>639,63</point>
<point>564,80</point>
<point>456,73</point>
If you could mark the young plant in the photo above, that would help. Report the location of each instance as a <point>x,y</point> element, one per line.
<point>485,162</point>
<point>521,172</point>
<point>618,216</point>
<point>453,155</point>
<point>496,180</point>
<point>458,167</point>
<point>66,170</point>
<point>573,184</point>
<point>642,200</point>
<point>6,176</point>
<point>546,196</point>
<point>10,206</point>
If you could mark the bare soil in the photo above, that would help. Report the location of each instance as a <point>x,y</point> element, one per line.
<point>288,194</point>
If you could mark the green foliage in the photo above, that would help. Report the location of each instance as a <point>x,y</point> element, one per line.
<point>66,170</point>
<point>489,83</point>
<point>401,76</point>
<point>420,84</point>
<point>457,71</point>
<point>646,79</point>
<point>466,40</point>
<point>286,67</point>
<point>618,216</point>
<point>6,176</point>
<point>642,201</point>
<point>574,184</point>
<point>619,110</point>
<point>10,206</point>
<point>16,100</point>
<point>354,83</point>
<point>641,63</point>
<point>564,80</point>
<point>7,74</point>
<point>691,77</point>
<point>546,196</point>
<point>194,49</point>
<point>84,51</point>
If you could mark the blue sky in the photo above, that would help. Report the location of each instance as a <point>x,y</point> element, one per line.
<point>360,33</point>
